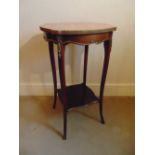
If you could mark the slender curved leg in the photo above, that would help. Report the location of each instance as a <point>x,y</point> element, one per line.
<point>61,62</point>
<point>107,48</point>
<point>85,73</point>
<point>85,64</point>
<point>52,59</point>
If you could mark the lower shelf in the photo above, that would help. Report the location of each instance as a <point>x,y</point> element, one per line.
<point>77,95</point>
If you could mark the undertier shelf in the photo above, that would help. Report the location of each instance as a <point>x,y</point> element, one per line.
<point>77,95</point>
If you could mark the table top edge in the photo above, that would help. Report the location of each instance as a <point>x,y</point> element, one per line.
<point>55,31</point>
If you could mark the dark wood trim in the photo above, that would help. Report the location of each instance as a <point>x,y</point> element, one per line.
<point>107,50</point>
<point>52,60</point>
<point>61,62</point>
<point>85,64</point>
<point>78,39</point>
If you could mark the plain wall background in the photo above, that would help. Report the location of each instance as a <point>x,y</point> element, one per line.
<point>35,69</point>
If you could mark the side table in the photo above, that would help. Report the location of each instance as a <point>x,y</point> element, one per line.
<point>83,34</point>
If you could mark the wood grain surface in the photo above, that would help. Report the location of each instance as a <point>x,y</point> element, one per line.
<point>77,28</point>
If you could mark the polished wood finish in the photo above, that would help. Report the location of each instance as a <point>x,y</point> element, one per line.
<point>82,34</point>
<point>61,62</point>
<point>107,49</point>
<point>78,39</point>
<point>77,28</point>
<point>52,60</point>
<point>85,64</point>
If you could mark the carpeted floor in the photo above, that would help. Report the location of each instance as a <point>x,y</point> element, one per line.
<point>41,128</point>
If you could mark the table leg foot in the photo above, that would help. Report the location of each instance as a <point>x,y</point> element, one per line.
<point>101,114</point>
<point>64,137</point>
<point>102,121</point>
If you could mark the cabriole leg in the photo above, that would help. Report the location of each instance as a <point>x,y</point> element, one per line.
<point>52,59</point>
<point>107,49</point>
<point>61,62</point>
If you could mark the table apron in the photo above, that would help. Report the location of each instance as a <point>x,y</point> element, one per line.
<point>78,39</point>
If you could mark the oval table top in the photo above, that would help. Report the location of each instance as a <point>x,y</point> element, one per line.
<point>76,28</point>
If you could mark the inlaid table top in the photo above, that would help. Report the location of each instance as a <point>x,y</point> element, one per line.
<point>77,28</point>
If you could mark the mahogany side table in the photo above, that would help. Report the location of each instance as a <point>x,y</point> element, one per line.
<point>83,34</point>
